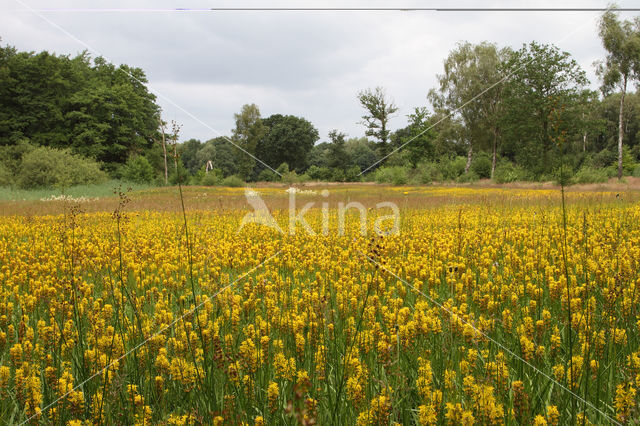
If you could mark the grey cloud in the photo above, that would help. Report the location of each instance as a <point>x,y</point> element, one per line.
<point>302,63</point>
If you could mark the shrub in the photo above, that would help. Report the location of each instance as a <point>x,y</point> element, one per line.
<point>508,172</point>
<point>179,175</point>
<point>337,175</point>
<point>427,172</point>
<point>588,174</point>
<point>47,167</point>
<point>138,169</point>
<point>636,170</point>
<point>232,181</point>
<point>6,178</point>
<point>468,177</point>
<point>396,175</point>
<point>628,162</point>
<point>612,171</point>
<point>319,173</point>
<point>267,175</point>
<point>352,174</point>
<point>604,158</point>
<point>11,155</point>
<point>453,168</point>
<point>290,177</point>
<point>481,165</point>
<point>283,169</point>
<point>213,177</point>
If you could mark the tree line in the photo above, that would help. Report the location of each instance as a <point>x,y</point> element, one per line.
<point>496,113</point>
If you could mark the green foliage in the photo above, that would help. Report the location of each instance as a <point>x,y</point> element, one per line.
<point>622,42</point>
<point>232,181</point>
<point>267,175</point>
<point>188,152</point>
<point>337,156</point>
<point>248,131</point>
<point>291,177</point>
<point>636,171</point>
<point>352,174</point>
<point>221,153</point>
<point>361,152</point>
<point>481,165</point>
<point>283,169</point>
<point>543,93</point>
<point>396,175</point>
<point>428,172</point>
<point>379,110</point>
<point>318,155</point>
<point>96,109</point>
<point>628,162</point>
<point>588,174</point>
<point>179,174</point>
<point>212,177</point>
<point>138,169</point>
<point>416,140</point>
<point>605,158</point>
<point>468,71</point>
<point>507,172</point>
<point>468,177</point>
<point>453,168</point>
<point>319,173</point>
<point>288,139</point>
<point>49,167</point>
<point>11,155</point>
<point>6,177</point>
<point>337,175</point>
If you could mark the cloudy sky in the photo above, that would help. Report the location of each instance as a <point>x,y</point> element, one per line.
<point>204,65</point>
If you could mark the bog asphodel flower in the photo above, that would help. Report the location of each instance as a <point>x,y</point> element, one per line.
<point>177,330</point>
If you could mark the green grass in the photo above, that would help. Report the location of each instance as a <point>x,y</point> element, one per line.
<point>99,190</point>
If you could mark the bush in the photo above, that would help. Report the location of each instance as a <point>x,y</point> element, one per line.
<point>213,177</point>
<point>588,174</point>
<point>232,181</point>
<point>267,175</point>
<point>283,169</point>
<point>47,167</point>
<point>453,168</point>
<point>319,173</point>
<point>396,175</point>
<point>481,165</point>
<point>179,175</point>
<point>337,175</point>
<point>6,178</point>
<point>352,174</point>
<point>636,171</point>
<point>507,172</point>
<point>604,158</point>
<point>468,177</point>
<point>138,169</point>
<point>290,177</point>
<point>427,172</point>
<point>628,162</point>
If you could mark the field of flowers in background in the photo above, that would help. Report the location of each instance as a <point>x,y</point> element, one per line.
<point>476,313</point>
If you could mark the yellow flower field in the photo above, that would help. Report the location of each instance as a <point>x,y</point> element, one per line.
<point>480,311</point>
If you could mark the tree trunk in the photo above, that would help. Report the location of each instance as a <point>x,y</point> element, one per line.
<point>620,128</point>
<point>469,155</point>
<point>495,151</point>
<point>584,136</point>
<point>164,150</point>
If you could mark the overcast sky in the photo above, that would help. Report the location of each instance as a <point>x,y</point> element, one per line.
<point>204,66</point>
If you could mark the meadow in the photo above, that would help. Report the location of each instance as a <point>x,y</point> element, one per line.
<point>492,305</point>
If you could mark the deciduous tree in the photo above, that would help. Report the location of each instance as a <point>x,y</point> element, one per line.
<point>379,110</point>
<point>622,64</point>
